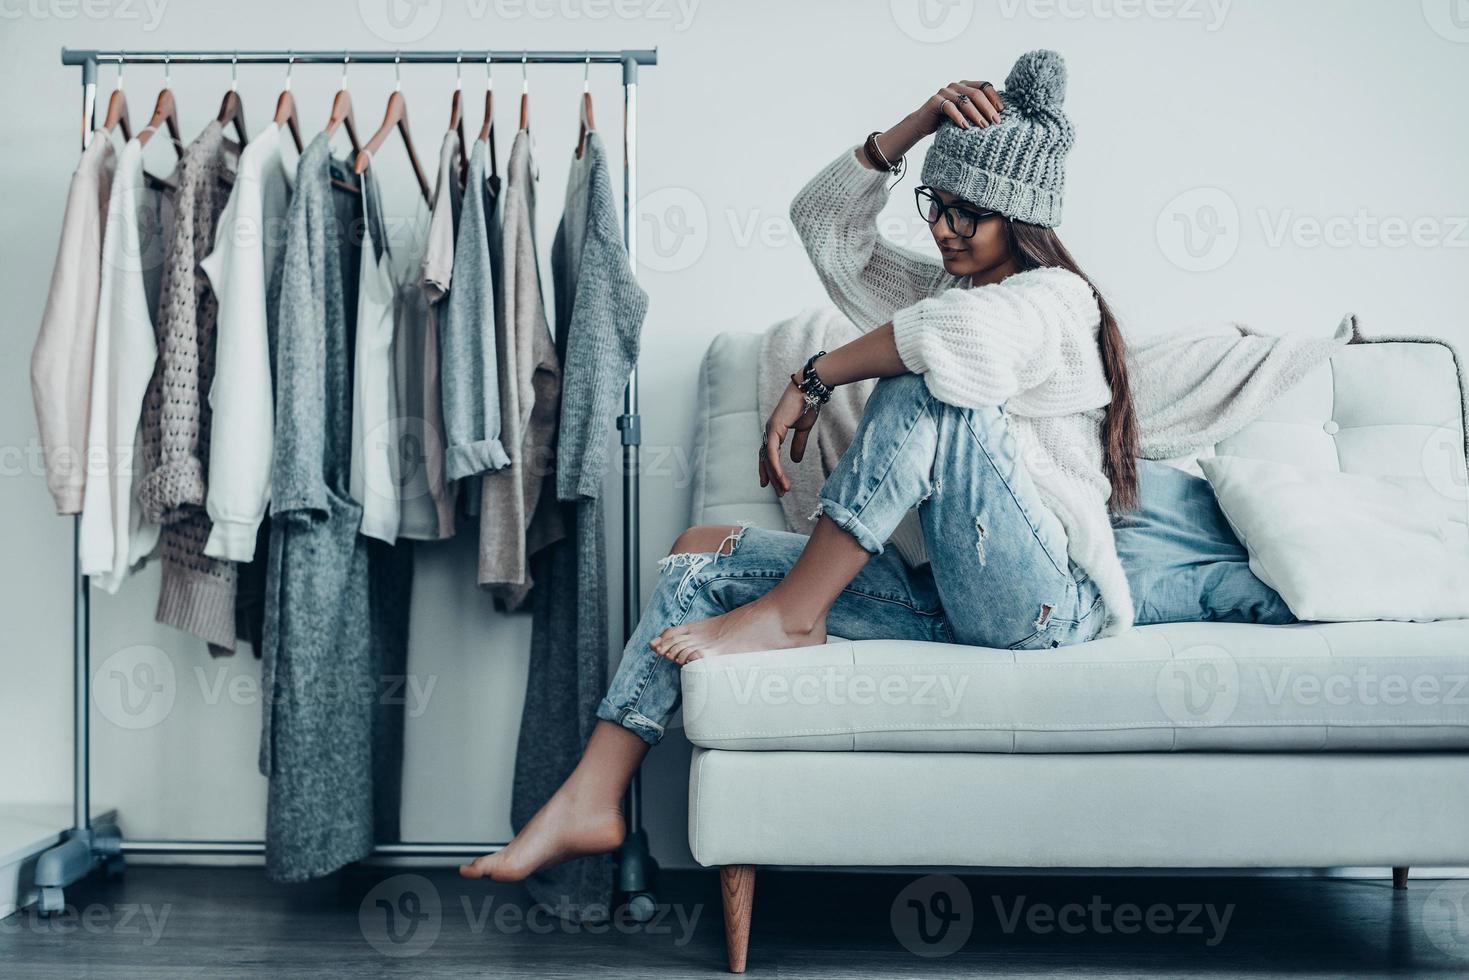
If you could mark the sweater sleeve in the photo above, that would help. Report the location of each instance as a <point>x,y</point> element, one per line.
<point>868,277</point>
<point>979,347</point>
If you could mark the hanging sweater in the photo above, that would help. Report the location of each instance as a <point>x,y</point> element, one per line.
<point>513,523</point>
<point>197,593</point>
<point>61,364</point>
<point>599,318</point>
<point>467,366</point>
<point>247,247</point>
<point>1028,343</point>
<point>320,688</point>
<point>115,535</point>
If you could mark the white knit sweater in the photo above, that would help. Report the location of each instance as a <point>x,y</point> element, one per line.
<point>1028,343</point>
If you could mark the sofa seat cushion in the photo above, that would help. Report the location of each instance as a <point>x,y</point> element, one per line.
<point>1163,688</point>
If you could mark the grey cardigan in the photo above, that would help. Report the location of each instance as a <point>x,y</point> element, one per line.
<point>468,385</point>
<point>320,720</point>
<point>599,318</point>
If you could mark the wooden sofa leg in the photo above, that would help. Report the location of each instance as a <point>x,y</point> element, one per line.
<point>1399,878</point>
<point>737,886</point>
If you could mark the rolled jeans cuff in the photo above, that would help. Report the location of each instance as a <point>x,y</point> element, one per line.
<point>639,724</point>
<point>846,519</point>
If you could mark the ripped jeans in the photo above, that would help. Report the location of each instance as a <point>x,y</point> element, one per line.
<point>998,573</point>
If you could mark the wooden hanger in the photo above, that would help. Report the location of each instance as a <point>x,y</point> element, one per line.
<point>456,117</point>
<point>165,112</point>
<point>487,127</point>
<point>285,108</point>
<point>117,108</point>
<point>232,109</point>
<point>342,113</point>
<point>588,123</point>
<point>395,117</point>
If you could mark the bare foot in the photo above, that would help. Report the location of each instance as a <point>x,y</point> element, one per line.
<point>563,829</point>
<point>759,625</point>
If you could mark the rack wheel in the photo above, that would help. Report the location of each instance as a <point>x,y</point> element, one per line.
<point>115,866</point>
<point>52,900</point>
<point>642,906</point>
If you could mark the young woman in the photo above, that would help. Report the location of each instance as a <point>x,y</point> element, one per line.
<point>1003,415</point>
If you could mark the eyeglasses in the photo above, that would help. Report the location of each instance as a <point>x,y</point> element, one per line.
<point>962,221</point>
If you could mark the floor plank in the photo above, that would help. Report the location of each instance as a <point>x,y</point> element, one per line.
<point>167,922</point>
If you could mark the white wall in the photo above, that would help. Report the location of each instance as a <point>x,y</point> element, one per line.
<point>1245,118</point>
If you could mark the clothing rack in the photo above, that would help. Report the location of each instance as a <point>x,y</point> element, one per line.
<point>86,848</point>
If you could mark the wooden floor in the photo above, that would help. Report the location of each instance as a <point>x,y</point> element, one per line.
<point>192,922</point>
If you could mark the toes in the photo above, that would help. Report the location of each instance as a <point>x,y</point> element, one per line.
<point>479,868</point>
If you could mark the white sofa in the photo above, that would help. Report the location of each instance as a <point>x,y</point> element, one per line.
<point>1189,745</point>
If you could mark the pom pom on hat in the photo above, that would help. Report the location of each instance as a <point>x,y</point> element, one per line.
<point>1036,83</point>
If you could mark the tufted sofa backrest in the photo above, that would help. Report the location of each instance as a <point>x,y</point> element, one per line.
<point>1384,408</point>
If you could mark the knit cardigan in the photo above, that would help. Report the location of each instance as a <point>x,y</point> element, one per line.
<point>1028,343</point>
<point>197,593</point>
<point>599,309</point>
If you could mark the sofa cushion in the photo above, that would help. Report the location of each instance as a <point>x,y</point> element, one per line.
<point>1347,546</point>
<point>1162,688</point>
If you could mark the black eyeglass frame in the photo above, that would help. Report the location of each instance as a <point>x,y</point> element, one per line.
<point>945,210</point>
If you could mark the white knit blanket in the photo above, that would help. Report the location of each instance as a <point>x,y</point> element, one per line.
<point>1190,391</point>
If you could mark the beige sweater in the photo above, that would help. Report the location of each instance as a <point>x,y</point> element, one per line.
<point>61,365</point>
<point>1028,343</point>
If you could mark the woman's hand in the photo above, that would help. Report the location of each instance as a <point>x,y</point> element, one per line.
<point>792,415</point>
<point>965,103</point>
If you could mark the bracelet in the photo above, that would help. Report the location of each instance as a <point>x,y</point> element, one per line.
<point>816,392</point>
<point>876,157</point>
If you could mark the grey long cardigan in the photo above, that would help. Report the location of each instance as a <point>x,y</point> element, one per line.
<point>599,319</point>
<point>333,607</point>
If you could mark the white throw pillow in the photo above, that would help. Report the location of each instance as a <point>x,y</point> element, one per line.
<point>1343,546</point>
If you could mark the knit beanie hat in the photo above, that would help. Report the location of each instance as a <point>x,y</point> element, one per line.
<point>1015,166</point>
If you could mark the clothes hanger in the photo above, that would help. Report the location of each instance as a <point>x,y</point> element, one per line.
<point>487,128</point>
<point>117,108</point>
<point>395,117</point>
<point>232,109</point>
<point>342,111</point>
<point>285,107</point>
<point>524,94</point>
<point>588,123</point>
<point>165,112</point>
<point>456,115</point>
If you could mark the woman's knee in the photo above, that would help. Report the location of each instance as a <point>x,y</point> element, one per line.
<point>707,537</point>
<point>897,392</point>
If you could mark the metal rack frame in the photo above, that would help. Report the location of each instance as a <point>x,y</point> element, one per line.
<point>87,848</point>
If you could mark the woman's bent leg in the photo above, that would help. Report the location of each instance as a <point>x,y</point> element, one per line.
<point>885,600</point>
<point>882,476</point>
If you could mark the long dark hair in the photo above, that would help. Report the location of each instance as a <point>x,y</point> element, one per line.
<point>1034,246</point>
